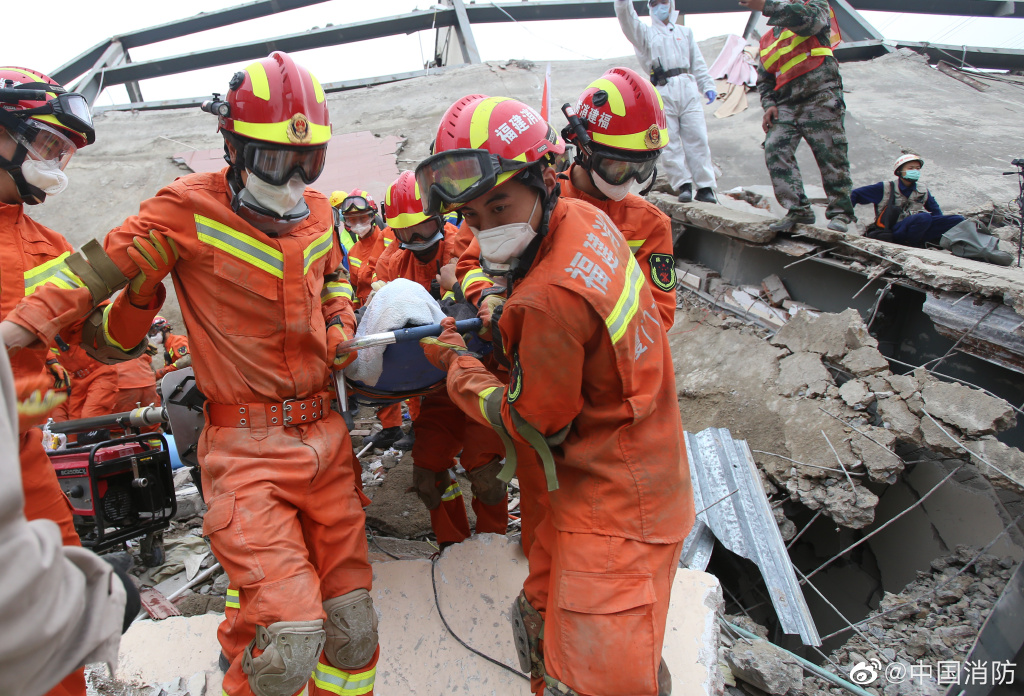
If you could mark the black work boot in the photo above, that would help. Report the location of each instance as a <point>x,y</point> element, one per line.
<point>406,442</point>
<point>686,195</point>
<point>791,220</point>
<point>224,663</point>
<point>384,439</point>
<point>706,195</point>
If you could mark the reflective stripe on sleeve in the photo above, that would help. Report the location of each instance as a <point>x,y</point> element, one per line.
<point>55,271</point>
<point>475,276</point>
<point>336,288</point>
<point>319,248</point>
<point>628,302</point>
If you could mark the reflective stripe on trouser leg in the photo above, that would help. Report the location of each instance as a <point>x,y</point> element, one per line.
<point>449,520</point>
<point>328,679</point>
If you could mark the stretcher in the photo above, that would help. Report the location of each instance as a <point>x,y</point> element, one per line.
<point>407,372</point>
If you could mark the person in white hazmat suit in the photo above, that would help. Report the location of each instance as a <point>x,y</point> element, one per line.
<point>669,54</point>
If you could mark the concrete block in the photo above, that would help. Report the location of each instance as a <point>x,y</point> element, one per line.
<point>179,647</point>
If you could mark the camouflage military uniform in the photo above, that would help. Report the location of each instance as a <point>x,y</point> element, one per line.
<point>810,107</point>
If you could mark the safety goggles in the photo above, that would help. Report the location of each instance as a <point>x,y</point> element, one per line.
<point>276,164</point>
<point>449,180</point>
<point>355,204</point>
<point>424,231</point>
<point>619,168</point>
<point>69,108</point>
<point>43,143</point>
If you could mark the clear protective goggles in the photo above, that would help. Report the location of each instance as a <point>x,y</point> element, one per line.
<point>449,180</point>
<point>618,168</point>
<point>425,231</point>
<point>276,164</point>
<point>355,204</point>
<point>43,143</point>
<point>69,108</point>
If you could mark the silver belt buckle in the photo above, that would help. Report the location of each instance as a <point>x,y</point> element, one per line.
<point>296,416</point>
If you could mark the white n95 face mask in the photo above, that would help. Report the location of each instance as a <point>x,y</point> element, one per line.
<point>616,193</point>
<point>361,229</point>
<point>44,175</point>
<point>279,199</point>
<point>500,244</point>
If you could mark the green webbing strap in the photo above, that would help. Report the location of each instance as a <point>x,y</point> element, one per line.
<point>541,444</point>
<point>492,412</point>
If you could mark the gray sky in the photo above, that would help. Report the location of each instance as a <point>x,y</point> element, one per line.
<point>86,24</point>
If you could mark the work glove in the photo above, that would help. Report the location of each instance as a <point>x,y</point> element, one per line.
<point>36,400</point>
<point>442,350</point>
<point>155,257</point>
<point>429,486</point>
<point>336,335</point>
<point>61,379</point>
<point>488,306</point>
<point>184,361</point>
<point>712,95</point>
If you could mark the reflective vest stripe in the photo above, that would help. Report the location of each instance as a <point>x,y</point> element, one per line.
<point>769,61</point>
<point>804,56</point>
<point>475,276</point>
<point>635,244</point>
<point>320,247</point>
<point>771,47</point>
<point>240,245</point>
<point>452,492</point>
<point>232,602</point>
<point>628,303</point>
<point>335,288</point>
<point>344,683</point>
<point>55,271</point>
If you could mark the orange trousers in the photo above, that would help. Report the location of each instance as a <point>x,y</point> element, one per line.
<point>45,500</point>
<point>285,520</point>
<point>94,395</point>
<point>128,399</point>
<point>604,610</point>
<point>390,416</point>
<point>442,429</point>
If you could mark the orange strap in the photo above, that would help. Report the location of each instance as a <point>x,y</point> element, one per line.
<point>288,413</point>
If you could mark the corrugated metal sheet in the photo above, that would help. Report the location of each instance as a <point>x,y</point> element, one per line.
<point>733,508</point>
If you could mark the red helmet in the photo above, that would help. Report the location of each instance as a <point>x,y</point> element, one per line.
<point>403,206</point>
<point>65,112</point>
<point>358,201</point>
<point>622,110</point>
<point>481,143</point>
<point>159,324</point>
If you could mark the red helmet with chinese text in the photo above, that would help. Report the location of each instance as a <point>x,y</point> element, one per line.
<point>403,212</point>
<point>46,125</point>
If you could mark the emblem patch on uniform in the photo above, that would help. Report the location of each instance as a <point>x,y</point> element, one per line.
<point>515,381</point>
<point>663,271</point>
<point>298,129</point>
<point>652,138</point>
<point>183,351</point>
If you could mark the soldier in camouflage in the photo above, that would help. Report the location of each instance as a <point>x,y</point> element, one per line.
<point>801,92</point>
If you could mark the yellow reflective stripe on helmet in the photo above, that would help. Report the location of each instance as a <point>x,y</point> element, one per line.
<point>473,277</point>
<point>344,683</point>
<point>278,132</point>
<point>106,331</point>
<point>353,262</point>
<point>55,272</point>
<point>240,245</point>
<point>318,90</point>
<point>633,141</point>
<point>782,37</point>
<point>451,492</point>
<point>615,100</point>
<point>317,249</point>
<point>783,52</point>
<point>406,220</point>
<point>628,302</point>
<point>232,601</point>
<point>260,83</point>
<point>480,124</point>
<point>336,288</point>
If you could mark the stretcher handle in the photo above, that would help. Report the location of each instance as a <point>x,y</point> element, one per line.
<point>414,333</point>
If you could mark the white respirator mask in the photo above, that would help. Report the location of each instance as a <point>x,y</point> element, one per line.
<point>499,245</point>
<point>361,229</point>
<point>45,175</point>
<point>616,193</point>
<point>157,340</point>
<point>278,199</point>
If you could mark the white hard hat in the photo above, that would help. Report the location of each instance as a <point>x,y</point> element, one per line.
<point>903,159</point>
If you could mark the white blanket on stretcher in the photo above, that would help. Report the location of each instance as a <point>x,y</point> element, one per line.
<point>395,305</point>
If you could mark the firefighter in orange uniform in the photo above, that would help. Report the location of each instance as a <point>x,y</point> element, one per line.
<point>93,384</point>
<point>136,384</point>
<point>254,261</point>
<point>175,346</point>
<point>592,389</point>
<point>38,135</point>
<point>441,428</point>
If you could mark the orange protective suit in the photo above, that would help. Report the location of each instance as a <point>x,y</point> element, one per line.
<point>390,416</point>
<point>32,256</point>
<point>441,428</point>
<point>591,364</point>
<point>362,260</point>
<point>136,384</point>
<point>284,515</point>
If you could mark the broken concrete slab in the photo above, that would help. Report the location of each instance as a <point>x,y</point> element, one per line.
<point>829,335</point>
<point>874,447</point>
<point>998,454</point>
<point>865,361</point>
<point>762,664</point>
<point>972,411</point>
<point>896,416</point>
<point>152,652</point>
<point>747,226</point>
<point>803,374</point>
<point>856,394</point>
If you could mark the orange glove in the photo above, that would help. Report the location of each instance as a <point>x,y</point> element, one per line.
<point>443,349</point>
<point>488,306</point>
<point>155,258</point>
<point>336,335</point>
<point>61,379</point>
<point>36,400</point>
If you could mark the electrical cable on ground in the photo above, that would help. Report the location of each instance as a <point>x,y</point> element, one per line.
<point>437,603</point>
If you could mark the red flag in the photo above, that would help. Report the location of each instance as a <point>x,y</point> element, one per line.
<point>545,99</point>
